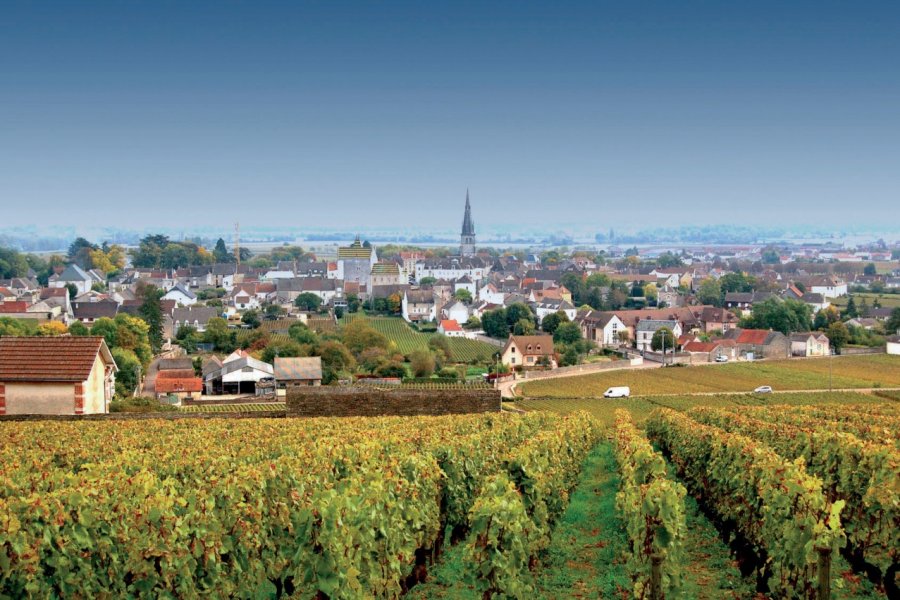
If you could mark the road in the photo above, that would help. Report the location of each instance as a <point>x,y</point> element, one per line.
<point>508,388</point>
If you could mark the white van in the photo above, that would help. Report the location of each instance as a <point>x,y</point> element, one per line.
<point>617,392</point>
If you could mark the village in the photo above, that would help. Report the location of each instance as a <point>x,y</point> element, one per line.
<point>249,328</point>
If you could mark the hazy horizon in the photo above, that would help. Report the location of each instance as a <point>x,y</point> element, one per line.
<point>317,115</point>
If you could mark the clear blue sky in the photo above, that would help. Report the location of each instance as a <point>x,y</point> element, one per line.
<point>327,113</point>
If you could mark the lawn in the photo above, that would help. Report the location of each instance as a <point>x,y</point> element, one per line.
<point>409,340</point>
<point>879,370</point>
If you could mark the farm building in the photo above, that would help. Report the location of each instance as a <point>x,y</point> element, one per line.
<point>55,375</point>
<point>240,373</point>
<point>810,343</point>
<point>760,343</point>
<point>297,372</point>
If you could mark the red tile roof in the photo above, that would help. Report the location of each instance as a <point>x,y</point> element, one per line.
<point>176,374</point>
<point>10,308</point>
<point>190,384</point>
<point>752,336</point>
<point>63,358</point>
<point>53,293</point>
<point>450,325</point>
<point>6,292</point>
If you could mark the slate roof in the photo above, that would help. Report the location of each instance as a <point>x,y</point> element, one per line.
<point>298,368</point>
<point>62,358</point>
<point>201,314</point>
<point>74,273</point>
<point>181,363</point>
<point>95,310</point>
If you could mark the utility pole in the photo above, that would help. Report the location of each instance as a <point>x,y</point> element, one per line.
<point>237,243</point>
<point>830,369</point>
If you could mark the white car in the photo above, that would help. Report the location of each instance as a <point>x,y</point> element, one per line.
<point>763,389</point>
<point>617,392</point>
<point>721,358</point>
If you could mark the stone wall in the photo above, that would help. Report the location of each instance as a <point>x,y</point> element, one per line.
<point>169,416</point>
<point>354,401</point>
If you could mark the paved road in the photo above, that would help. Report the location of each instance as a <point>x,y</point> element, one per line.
<point>508,388</point>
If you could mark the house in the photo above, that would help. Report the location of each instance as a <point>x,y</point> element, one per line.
<point>181,295</point>
<point>240,373</point>
<point>456,311</point>
<point>62,375</point>
<point>647,328</point>
<point>760,343</point>
<point>893,344</point>
<point>329,291</point>
<point>603,328</point>
<point>178,384</point>
<point>297,372</point>
<point>669,296</point>
<point>828,286</point>
<point>386,273</point>
<point>193,316</point>
<point>867,323</point>
<point>451,328</point>
<point>453,268</point>
<point>465,283</point>
<point>549,306</point>
<point>355,262</point>
<point>419,305</point>
<point>76,276</point>
<point>243,297</point>
<point>810,343</point>
<point>89,312</point>
<point>7,295</point>
<point>529,351</point>
<point>744,301</point>
<point>710,351</point>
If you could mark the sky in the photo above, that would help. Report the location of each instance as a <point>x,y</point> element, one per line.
<point>343,115</point>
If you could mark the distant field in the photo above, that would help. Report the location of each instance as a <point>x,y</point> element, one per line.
<point>408,339</point>
<point>885,300</point>
<point>879,370</point>
<point>603,409</point>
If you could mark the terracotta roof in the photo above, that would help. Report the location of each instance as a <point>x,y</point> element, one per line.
<point>6,292</point>
<point>752,336</point>
<point>63,358</point>
<point>18,306</point>
<point>450,325</point>
<point>176,374</point>
<point>182,384</point>
<point>53,292</point>
<point>706,346</point>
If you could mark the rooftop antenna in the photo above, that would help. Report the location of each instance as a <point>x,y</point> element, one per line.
<point>237,243</point>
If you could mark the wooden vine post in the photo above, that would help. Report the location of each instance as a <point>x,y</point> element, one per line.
<point>823,591</point>
<point>656,577</point>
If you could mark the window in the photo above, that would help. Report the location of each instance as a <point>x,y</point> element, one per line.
<point>512,360</point>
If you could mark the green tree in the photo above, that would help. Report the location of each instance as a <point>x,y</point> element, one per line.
<point>870,269</point>
<point>850,311</point>
<point>129,371</point>
<point>519,311</point>
<point>893,323</point>
<point>78,328</point>
<point>251,318</point>
<point>838,335</point>
<point>302,334</point>
<point>308,301</point>
<point>106,328</point>
<point>221,253</point>
<point>427,281</point>
<point>710,292</point>
<point>358,335</point>
<point>220,336</point>
<point>550,322</point>
<point>567,333</point>
<point>663,337</point>
<point>283,349</point>
<point>440,344</point>
<point>336,360</point>
<point>422,363</point>
<point>463,295</point>
<point>72,289</point>
<point>151,312</point>
<point>523,327</point>
<point>495,324</point>
<point>786,316</point>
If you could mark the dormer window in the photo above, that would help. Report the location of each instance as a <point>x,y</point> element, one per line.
<point>539,348</point>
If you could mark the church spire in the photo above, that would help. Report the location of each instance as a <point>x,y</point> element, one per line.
<point>468,226</point>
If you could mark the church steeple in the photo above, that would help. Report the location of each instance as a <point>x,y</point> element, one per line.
<point>467,237</point>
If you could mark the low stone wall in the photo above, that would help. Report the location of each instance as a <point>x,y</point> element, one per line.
<point>585,369</point>
<point>170,416</point>
<point>355,401</point>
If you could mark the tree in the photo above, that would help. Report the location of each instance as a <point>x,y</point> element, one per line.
<point>422,363</point>
<point>785,316</point>
<point>80,252</point>
<point>473,323</point>
<point>336,360</point>
<point>220,336</point>
<point>519,311</point>
<point>870,269</point>
<point>106,328</point>
<point>850,311</point>
<point>463,295</point>
<point>441,344</point>
<point>129,371</point>
<point>283,349</point>
<point>358,335</point>
<point>72,289</point>
<point>395,303</point>
<point>736,282</point>
<point>826,317</point>
<point>663,338</point>
<point>273,311</point>
<point>427,281</point>
<point>668,259</point>
<point>151,312</point>
<point>308,301</point>
<point>710,292</point>
<point>771,256</point>
<point>51,329</point>
<point>302,334</point>
<point>553,320</point>
<point>392,369</point>
<point>651,292</point>
<point>838,335</point>
<point>79,329</point>
<point>567,333</point>
<point>494,323</point>
<point>251,318</point>
<point>893,323</point>
<point>523,327</point>
<point>221,253</point>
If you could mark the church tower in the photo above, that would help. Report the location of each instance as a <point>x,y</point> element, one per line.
<point>467,237</point>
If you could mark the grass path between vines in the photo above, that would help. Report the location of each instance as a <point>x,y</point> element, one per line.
<point>586,555</point>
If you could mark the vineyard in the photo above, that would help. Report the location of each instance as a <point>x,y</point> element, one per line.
<point>336,508</point>
<point>409,340</point>
<point>847,372</point>
<point>229,408</point>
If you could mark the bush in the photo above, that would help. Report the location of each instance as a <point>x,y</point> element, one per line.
<point>140,405</point>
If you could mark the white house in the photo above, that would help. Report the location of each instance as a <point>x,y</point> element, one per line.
<point>465,283</point>
<point>602,328</point>
<point>648,327</point>
<point>492,293</point>
<point>810,343</point>
<point>419,305</point>
<point>453,268</point>
<point>451,328</point>
<point>548,306</point>
<point>181,295</point>
<point>456,311</point>
<point>829,287</point>
<point>893,344</point>
<point>244,299</point>
<point>76,276</point>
